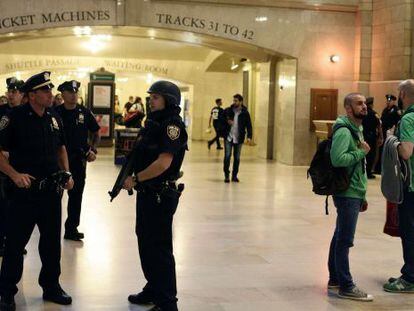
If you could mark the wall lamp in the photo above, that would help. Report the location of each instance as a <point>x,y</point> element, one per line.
<point>334,58</point>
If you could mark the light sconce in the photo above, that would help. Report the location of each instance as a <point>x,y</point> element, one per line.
<point>334,58</point>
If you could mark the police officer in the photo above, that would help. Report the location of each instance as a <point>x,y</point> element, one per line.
<point>32,134</point>
<point>390,116</point>
<point>14,95</point>
<point>14,98</point>
<point>78,122</point>
<point>372,134</point>
<point>162,143</point>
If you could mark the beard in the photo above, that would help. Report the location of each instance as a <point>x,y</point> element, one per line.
<point>359,115</point>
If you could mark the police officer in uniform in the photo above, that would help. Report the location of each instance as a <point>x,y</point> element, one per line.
<point>14,98</point>
<point>390,117</point>
<point>372,134</point>
<point>14,95</point>
<point>33,136</point>
<point>78,122</point>
<point>391,114</point>
<point>162,144</point>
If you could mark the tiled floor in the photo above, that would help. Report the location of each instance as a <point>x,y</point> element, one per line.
<point>258,245</point>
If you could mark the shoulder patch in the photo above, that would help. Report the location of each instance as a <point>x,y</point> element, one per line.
<point>173,132</point>
<point>4,122</point>
<point>55,124</point>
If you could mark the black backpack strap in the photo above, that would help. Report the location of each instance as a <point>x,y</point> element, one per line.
<point>326,205</point>
<point>353,134</point>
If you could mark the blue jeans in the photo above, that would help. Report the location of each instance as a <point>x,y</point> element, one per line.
<point>343,239</point>
<point>406,226</point>
<point>228,146</point>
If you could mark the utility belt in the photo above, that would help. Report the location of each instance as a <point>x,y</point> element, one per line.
<point>169,189</point>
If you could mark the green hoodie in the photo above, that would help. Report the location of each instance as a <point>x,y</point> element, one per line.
<point>345,153</point>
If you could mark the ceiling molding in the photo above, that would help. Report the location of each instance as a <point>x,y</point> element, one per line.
<point>299,5</point>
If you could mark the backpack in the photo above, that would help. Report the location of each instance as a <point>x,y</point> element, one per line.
<point>327,179</point>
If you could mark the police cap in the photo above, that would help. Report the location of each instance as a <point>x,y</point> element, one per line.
<point>14,84</point>
<point>168,90</point>
<point>71,86</point>
<point>390,97</point>
<point>40,81</point>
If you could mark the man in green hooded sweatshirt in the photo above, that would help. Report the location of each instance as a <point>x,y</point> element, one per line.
<point>405,133</point>
<point>346,151</point>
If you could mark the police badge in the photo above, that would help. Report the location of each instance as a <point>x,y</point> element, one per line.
<point>55,124</point>
<point>4,122</point>
<point>173,132</point>
<point>81,118</point>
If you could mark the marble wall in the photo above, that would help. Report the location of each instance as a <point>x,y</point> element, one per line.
<point>372,37</point>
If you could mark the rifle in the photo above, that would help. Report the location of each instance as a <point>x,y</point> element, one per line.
<point>55,182</point>
<point>126,171</point>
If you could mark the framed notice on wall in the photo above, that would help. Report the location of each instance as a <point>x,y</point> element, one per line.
<point>104,121</point>
<point>101,96</point>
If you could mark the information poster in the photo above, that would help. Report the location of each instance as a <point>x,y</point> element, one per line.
<point>102,96</point>
<point>104,122</point>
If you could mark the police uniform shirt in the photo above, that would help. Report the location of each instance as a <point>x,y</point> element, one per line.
<point>76,124</point>
<point>169,136</point>
<point>5,110</point>
<point>33,141</point>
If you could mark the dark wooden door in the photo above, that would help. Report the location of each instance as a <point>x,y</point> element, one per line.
<point>324,105</point>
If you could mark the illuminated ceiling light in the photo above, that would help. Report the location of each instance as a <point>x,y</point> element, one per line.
<point>94,46</point>
<point>119,2</point>
<point>10,34</point>
<point>82,31</point>
<point>97,43</point>
<point>152,38</point>
<point>261,19</point>
<point>334,58</point>
<point>150,78</point>
<point>234,66</point>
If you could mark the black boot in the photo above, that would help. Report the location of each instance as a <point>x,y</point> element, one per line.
<point>74,235</point>
<point>235,179</point>
<point>57,295</point>
<point>141,298</point>
<point>7,303</point>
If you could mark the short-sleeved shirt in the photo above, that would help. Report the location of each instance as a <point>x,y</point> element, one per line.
<point>405,133</point>
<point>77,123</point>
<point>32,141</point>
<point>217,113</point>
<point>167,136</point>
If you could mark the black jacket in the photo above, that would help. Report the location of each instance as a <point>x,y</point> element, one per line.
<point>244,122</point>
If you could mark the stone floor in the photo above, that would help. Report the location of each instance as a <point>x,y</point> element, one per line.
<point>261,244</point>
